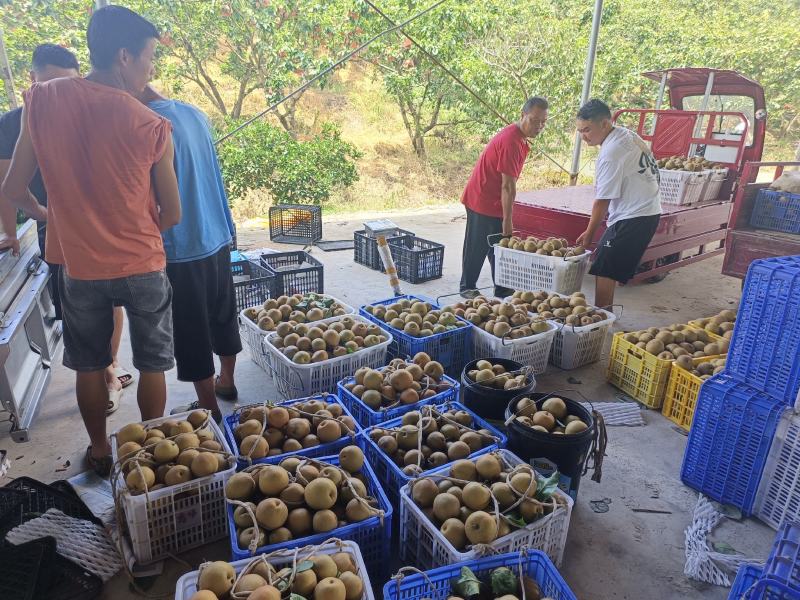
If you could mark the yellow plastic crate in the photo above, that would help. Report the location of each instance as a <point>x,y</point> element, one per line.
<point>639,374</point>
<point>683,388</point>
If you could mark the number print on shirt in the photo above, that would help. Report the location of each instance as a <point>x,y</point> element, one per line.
<point>648,163</point>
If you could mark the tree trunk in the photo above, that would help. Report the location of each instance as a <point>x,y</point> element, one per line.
<point>288,116</point>
<point>412,125</point>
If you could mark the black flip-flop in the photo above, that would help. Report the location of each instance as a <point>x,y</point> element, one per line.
<point>101,466</point>
<point>225,393</point>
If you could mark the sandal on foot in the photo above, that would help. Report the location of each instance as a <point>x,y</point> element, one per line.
<point>114,396</point>
<point>125,377</point>
<point>101,466</point>
<point>225,393</point>
<point>215,414</point>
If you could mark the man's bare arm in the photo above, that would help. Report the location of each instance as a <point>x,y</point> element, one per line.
<point>166,186</point>
<point>508,192</point>
<point>8,216</point>
<point>599,212</point>
<point>23,167</point>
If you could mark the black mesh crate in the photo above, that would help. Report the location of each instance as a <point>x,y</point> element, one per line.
<point>295,223</point>
<point>295,273</point>
<point>417,260</point>
<point>252,284</point>
<point>365,248</point>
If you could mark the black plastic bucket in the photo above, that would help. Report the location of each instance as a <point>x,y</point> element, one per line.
<point>548,452</point>
<point>488,402</point>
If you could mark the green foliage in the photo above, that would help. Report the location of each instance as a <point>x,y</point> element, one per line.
<point>233,49</point>
<point>269,46</point>
<point>28,23</point>
<point>426,96</point>
<point>265,157</point>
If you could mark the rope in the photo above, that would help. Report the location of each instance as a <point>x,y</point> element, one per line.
<point>553,505</point>
<point>289,406</point>
<point>398,577</point>
<point>598,451</point>
<point>347,480</point>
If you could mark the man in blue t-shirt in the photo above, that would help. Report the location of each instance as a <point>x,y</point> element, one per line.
<point>199,261</point>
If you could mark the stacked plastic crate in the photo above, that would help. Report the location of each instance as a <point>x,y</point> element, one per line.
<point>780,577</point>
<point>738,411</point>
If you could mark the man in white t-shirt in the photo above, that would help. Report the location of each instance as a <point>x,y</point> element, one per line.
<point>626,189</point>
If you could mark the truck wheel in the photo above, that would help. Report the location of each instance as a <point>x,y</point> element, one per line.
<point>657,278</point>
<point>660,262</point>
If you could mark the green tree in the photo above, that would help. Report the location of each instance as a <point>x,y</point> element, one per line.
<point>265,157</point>
<point>28,23</point>
<point>234,48</point>
<point>426,96</point>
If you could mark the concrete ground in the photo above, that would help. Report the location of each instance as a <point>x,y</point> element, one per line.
<point>620,554</point>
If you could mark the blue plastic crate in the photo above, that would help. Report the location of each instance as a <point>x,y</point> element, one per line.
<point>436,582</point>
<point>232,420</point>
<point>765,347</point>
<point>776,211</point>
<point>746,577</point>
<point>783,564</point>
<point>391,476</point>
<point>769,589</point>
<point>372,535</point>
<point>452,349</point>
<point>729,441</point>
<point>366,416</point>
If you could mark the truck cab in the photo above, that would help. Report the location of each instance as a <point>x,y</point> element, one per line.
<point>693,89</point>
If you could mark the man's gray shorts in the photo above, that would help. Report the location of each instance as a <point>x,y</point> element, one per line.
<point>88,313</point>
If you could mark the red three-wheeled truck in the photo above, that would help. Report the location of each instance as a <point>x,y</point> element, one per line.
<point>719,115</point>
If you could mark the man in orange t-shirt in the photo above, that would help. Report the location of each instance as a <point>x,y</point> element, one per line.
<point>490,192</point>
<point>106,162</point>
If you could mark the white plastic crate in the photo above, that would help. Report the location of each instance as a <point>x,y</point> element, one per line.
<point>298,381</point>
<point>778,496</point>
<point>187,584</point>
<point>179,517</point>
<point>520,270</point>
<point>532,351</point>
<point>714,183</point>
<point>254,336</point>
<point>682,187</point>
<point>574,346</point>
<point>424,546</point>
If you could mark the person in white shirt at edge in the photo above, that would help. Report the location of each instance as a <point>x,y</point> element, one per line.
<point>626,190</point>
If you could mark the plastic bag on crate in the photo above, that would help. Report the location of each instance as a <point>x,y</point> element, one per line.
<point>788,182</point>
<point>703,563</point>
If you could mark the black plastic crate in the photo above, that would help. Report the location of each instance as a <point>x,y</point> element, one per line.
<point>72,582</point>
<point>252,284</point>
<point>26,570</point>
<point>417,260</point>
<point>295,272</point>
<point>365,248</point>
<point>24,498</point>
<point>295,223</point>
<point>34,570</point>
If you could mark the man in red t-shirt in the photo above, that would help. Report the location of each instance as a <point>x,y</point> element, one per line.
<point>489,195</point>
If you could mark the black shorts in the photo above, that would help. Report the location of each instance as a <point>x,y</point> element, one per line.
<point>203,314</point>
<point>622,246</point>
